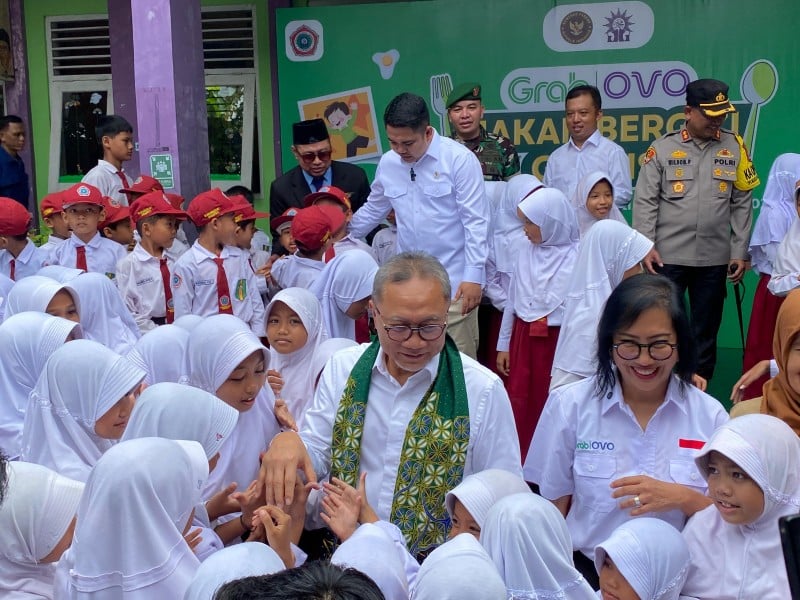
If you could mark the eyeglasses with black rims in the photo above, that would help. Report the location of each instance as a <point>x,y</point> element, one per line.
<point>661,350</point>
<point>402,333</point>
<point>310,157</point>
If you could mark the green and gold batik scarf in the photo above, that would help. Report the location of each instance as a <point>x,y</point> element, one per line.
<point>434,448</point>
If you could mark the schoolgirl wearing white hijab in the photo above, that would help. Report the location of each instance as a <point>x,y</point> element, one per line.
<point>646,557</point>
<point>609,253</point>
<point>459,569</point>
<point>60,273</point>
<point>36,524</point>
<point>295,331</point>
<point>535,309</point>
<point>162,354</point>
<point>594,201</point>
<point>528,540</point>
<point>752,465</point>
<point>323,354</point>
<point>104,317</point>
<point>229,564</point>
<point>79,406</point>
<point>42,294</point>
<point>27,340</point>
<point>135,509</point>
<point>344,288</point>
<point>6,283</point>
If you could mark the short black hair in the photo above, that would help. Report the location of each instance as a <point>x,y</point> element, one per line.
<point>334,106</point>
<point>317,580</point>
<point>111,125</point>
<point>626,303</point>
<point>243,224</point>
<point>407,110</point>
<point>580,90</point>
<point>241,190</point>
<point>21,237</point>
<point>8,120</point>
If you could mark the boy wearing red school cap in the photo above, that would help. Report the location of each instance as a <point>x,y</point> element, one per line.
<point>85,248</point>
<point>330,195</point>
<point>143,184</point>
<point>19,256</point>
<point>245,218</point>
<point>116,226</point>
<point>213,276</point>
<point>312,229</point>
<point>144,277</point>
<point>51,209</point>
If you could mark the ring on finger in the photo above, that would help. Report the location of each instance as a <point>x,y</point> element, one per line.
<point>637,502</point>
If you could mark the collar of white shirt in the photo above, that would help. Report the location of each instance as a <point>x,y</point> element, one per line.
<point>675,395</point>
<point>593,140</point>
<point>429,370</point>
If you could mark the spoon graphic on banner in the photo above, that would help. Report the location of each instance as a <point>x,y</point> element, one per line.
<point>758,86</point>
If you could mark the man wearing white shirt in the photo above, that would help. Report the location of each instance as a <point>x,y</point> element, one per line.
<point>409,410</point>
<point>435,186</point>
<point>587,150</point>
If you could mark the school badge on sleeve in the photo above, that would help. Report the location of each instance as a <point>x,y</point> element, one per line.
<point>241,289</point>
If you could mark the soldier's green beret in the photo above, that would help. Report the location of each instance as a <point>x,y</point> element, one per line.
<point>464,91</point>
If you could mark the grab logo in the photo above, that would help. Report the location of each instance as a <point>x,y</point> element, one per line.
<point>594,445</point>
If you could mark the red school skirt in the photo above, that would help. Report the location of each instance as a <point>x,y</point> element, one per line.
<point>760,332</point>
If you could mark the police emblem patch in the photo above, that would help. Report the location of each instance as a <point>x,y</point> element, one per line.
<point>723,186</point>
<point>678,154</point>
<point>725,153</point>
<point>678,172</point>
<point>717,172</point>
<point>678,187</point>
<point>649,155</point>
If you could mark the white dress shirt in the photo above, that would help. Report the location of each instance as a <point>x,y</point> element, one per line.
<point>50,246</point>
<point>568,164</point>
<point>384,244</point>
<point>194,286</point>
<point>29,261</point>
<point>442,211</point>
<point>492,440</point>
<point>140,282</point>
<point>104,177</point>
<point>102,254</point>
<point>348,242</point>
<point>296,271</point>
<point>584,442</point>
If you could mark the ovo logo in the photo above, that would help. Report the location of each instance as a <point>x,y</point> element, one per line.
<point>594,445</point>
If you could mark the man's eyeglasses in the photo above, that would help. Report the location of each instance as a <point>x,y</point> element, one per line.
<point>310,157</point>
<point>656,350</point>
<point>403,333</point>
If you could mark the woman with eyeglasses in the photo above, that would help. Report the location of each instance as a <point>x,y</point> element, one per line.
<point>621,443</point>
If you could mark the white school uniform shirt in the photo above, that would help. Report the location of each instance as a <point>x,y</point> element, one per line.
<point>256,259</point>
<point>296,271</point>
<point>194,286</point>
<point>262,241</point>
<point>35,514</point>
<point>528,540</point>
<point>492,436</point>
<point>49,247</point>
<point>102,254</point>
<point>163,354</point>
<point>28,263</point>
<point>230,564</point>
<point>583,442</point>
<point>777,212</point>
<point>153,484</point>
<point>5,289</point>
<point>141,285</point>
<point>786,268</point>
<point>104,177</point>
<point>768,450</point>
<point>348,242</point>
<point>442,211</point>
<point>26,342</point>
<point>80,382</point>
<point>384,244</point>
<point>568,163</point>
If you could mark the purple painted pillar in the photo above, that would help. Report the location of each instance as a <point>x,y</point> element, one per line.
<point>17,94</point>
<point>158,56</point>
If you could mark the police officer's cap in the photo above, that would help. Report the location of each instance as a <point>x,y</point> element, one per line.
<point>464,91</point>
<point>309,132</point>
<point>710,96</point>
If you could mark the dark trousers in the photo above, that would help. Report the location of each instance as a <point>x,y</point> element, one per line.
<point>706,286</point>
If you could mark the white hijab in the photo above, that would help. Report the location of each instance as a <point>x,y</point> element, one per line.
<point>652,556</point>
<point>295,368</point>
<point>459,569</point>
<point>528,540</point>
<point>129,536</point>
<point>162,354</point>
<point>768,450</point>
<point>324,353</point>
<point>582,191</point>
<point>542,273</point>
<point>182,412</point>
<point>786,261</point>
<point>188,322</point>
<point>27,340</point>
<point>216,347</point>
<point>35,515</point>
<point>360,552</point>
<point>104,316</point>
<point>506,228</point>
<point>34,293</point>
<point>80,382</point>
<point>6,283</point>
<point>346,279</point>
<point>777,211</point>
<point>60,273</point>
<point>230,564</point>
<point>608,250</point>
<point>480,491</point>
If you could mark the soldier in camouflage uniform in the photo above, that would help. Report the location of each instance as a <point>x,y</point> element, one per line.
<point>694,200</point>
<point>497,155</point>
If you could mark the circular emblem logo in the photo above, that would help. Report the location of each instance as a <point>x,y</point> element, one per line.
<point>304,41</point>
<point>171,304</point>
<point>576,27</point>
<point>224,301</point>
<point>176,281</point>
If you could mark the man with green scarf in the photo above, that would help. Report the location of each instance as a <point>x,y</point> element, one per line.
<point>409,410</point>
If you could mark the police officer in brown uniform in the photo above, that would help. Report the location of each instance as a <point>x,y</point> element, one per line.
<point>694,200</point>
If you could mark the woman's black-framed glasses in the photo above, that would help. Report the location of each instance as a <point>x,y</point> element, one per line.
<point>403,333</point>
<point>657,350</point>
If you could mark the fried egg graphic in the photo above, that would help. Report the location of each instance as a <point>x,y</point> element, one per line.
<point>386,62</point>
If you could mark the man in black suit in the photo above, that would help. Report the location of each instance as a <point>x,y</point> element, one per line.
<point>312,149</point>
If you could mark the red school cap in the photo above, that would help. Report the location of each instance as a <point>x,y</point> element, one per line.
<point>82,193</point>
<point>154,203</point>
<point>144,184</point>
<point>14,218</point>
<point>114,212</point>
<point>209,205</point>
<point>51,203</point>
<point>245,211</point>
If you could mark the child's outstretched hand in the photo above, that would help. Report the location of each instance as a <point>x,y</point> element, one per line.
<point>275,381</point>
<point>222,503</point>
<point>193,538</point>
<point>344,507</point>
<point>248,501</point>
<point>283,415</point>
<point>278,526</point>
<point>297,509</point>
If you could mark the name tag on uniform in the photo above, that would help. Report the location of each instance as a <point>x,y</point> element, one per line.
<point>145,281</point>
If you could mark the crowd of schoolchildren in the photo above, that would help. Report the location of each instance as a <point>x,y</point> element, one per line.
<point>141,377</point>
